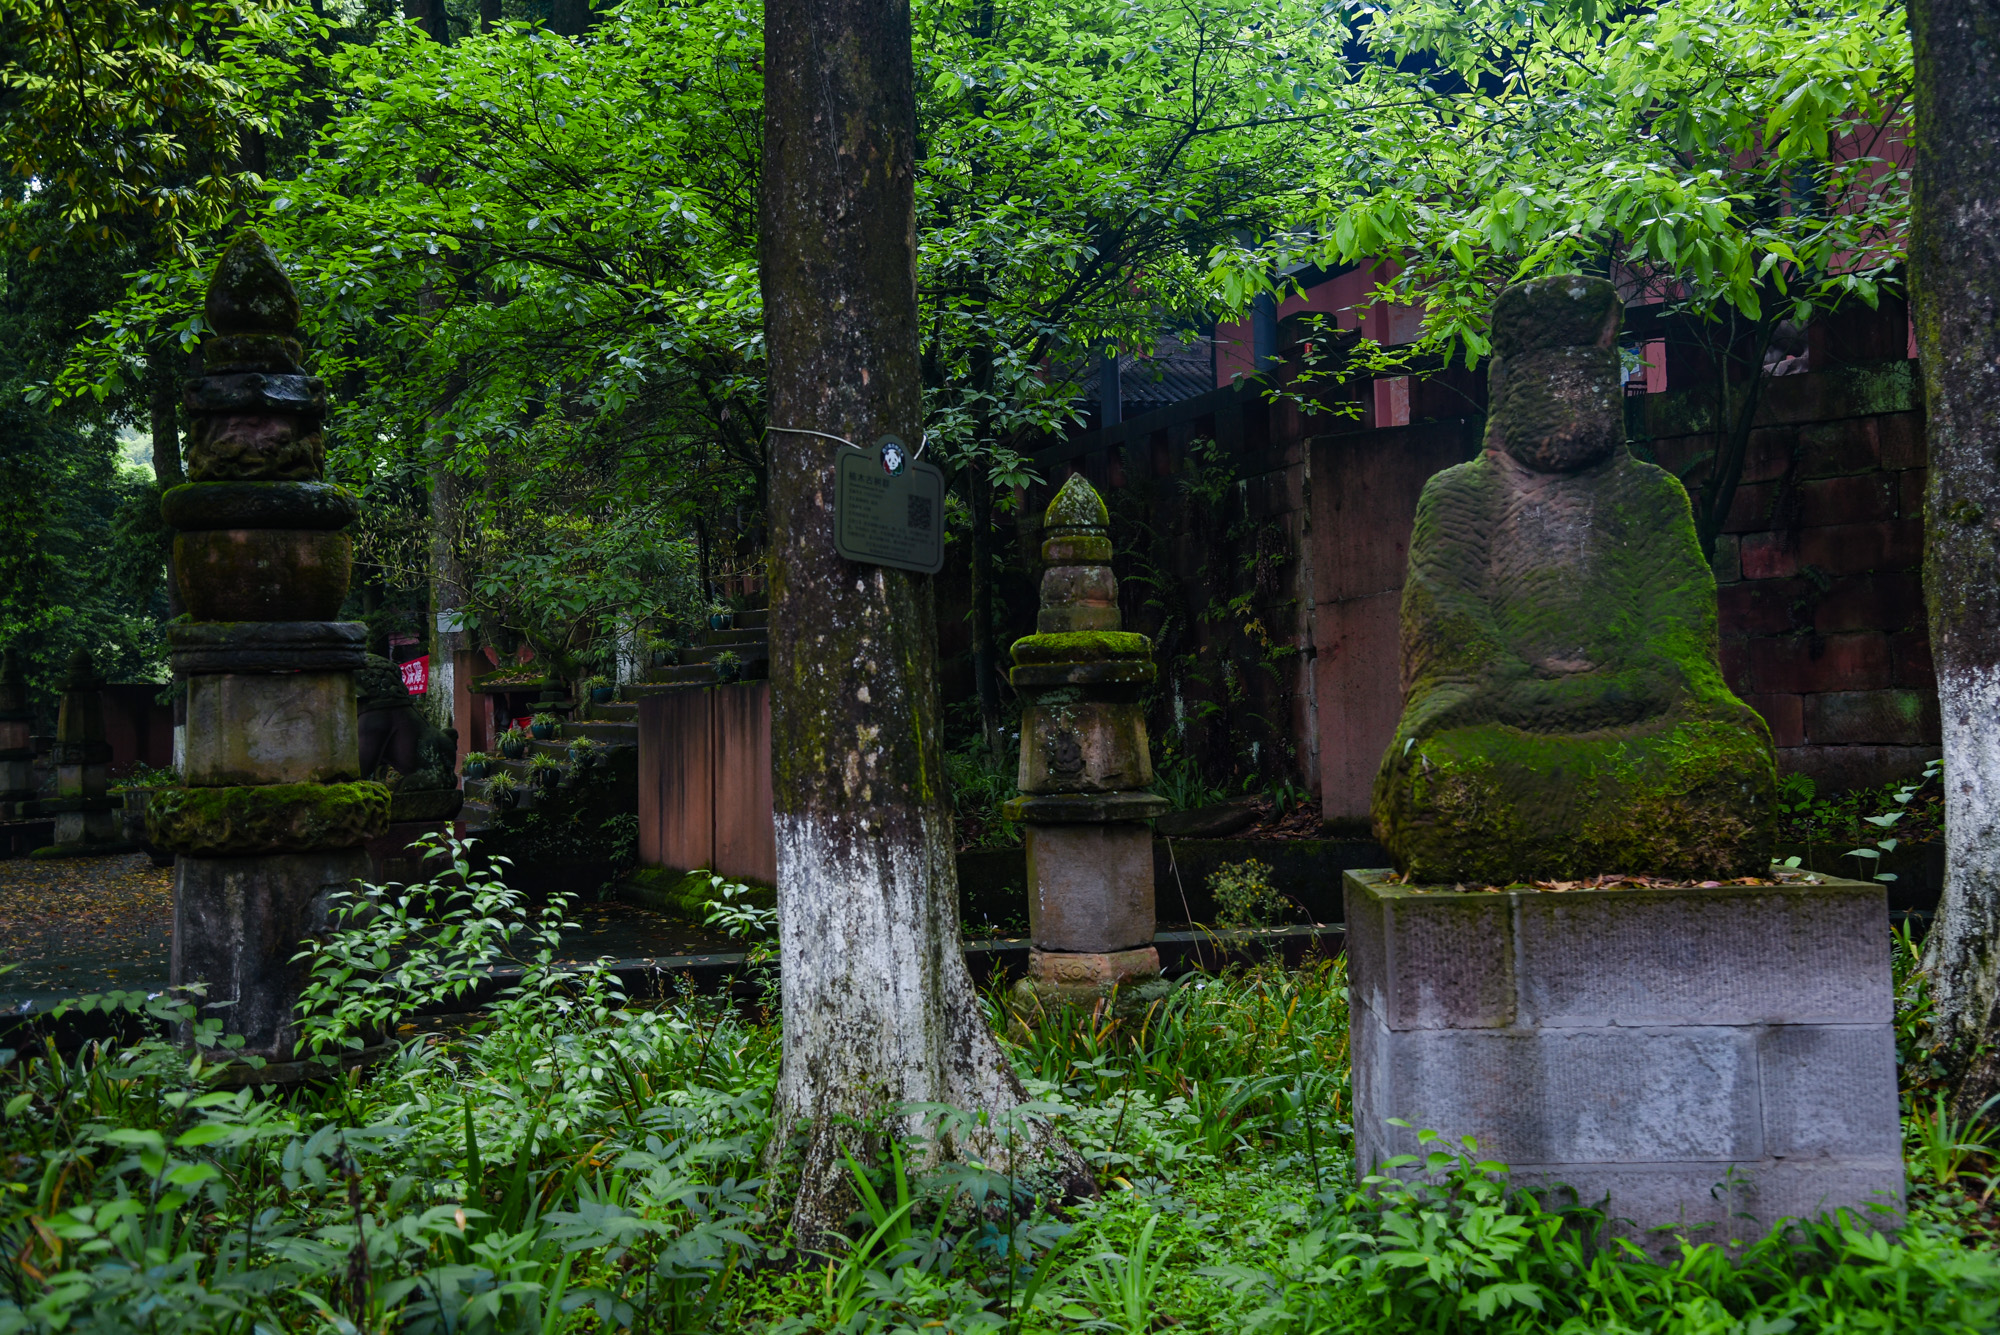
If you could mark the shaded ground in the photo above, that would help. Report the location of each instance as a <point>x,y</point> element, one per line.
<point>83,925</point>
<point>80,925</point>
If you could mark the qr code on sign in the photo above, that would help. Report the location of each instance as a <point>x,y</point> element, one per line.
<point>920,513</point>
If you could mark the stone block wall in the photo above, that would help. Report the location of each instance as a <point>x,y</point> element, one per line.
<point>1819,567</point>
<point>1723,1058</point>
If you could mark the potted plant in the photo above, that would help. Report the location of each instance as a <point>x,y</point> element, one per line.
<point>583,752</point>
<point>721,618</point>
<point>513,743</point>
<point>478,764</point>
<point>728,666</point>
<point>544,771</point>
<point>602,689</point>
<point>503,792</point>
<point>543,726</point>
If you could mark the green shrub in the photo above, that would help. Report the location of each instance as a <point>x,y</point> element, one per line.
<point>1245,897</point>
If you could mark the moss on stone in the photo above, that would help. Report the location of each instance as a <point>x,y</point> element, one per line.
<point>1082,646</point>
<point>684,895</point>
<point>271,818</point>
<point>250,293</point>
<point>1566,713</point>
<point>1076,508</point>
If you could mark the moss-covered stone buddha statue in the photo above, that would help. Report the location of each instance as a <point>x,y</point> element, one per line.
<point>1564,711</point>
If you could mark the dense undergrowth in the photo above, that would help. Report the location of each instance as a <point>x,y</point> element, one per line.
<point>567,1163</point>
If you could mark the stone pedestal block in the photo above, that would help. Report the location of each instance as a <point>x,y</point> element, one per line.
<point>254,728</point>
<point>17,777</point>
<point>90,824</point>
<point>1090,746</point>
<point>237,924</point>
<point>263,574</point>
<point>392,860</point>
<point>1714,1060</point>
<point>1090,887</point>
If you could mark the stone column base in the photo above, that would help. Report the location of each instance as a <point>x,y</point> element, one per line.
<point>237,924</point>
<point>1059,978</point>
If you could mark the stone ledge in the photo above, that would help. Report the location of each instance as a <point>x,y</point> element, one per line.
<point>223,505</point>
<point>1789,954</point>
<point>207,648</point>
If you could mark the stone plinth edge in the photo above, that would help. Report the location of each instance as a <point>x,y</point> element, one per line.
<point>1071,808</point>
<point>207,648</point>
<point>281,505</point>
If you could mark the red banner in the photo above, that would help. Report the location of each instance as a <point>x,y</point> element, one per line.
<point>417,675</point>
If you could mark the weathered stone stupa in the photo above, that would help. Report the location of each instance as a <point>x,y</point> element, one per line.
<point>271,814</point>
<point>84,810</point>
<point>1564,708</point>
<point>1085,766</point>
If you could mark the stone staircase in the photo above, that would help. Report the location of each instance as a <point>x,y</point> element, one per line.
<point>615,726</point>
<point>749,640</point>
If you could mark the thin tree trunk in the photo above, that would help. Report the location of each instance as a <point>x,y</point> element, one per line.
<point>985,668</point>
<point>879,1010</point>
<point>165,395</point>
<point>1955,279</point>
<point>429,15</point>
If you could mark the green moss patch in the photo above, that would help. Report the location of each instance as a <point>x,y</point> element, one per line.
<point>1082,646</point>
<point>683,894</point>
<point>271,818</point>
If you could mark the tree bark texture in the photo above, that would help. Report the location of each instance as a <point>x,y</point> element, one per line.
<point>1955,280</point>
<point>878,1008</point>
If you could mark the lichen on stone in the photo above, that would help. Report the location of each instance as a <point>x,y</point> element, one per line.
<point>250,293</point>
<point>1076,509</point>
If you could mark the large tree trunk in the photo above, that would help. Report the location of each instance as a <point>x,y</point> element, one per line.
<point>1955,279</point>
<point>878,1007</point>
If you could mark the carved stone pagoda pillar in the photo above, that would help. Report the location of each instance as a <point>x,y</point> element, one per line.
<point>272,814</point>
<point>1085,768</point>
<point>17,752</point>
<point>83,806</point>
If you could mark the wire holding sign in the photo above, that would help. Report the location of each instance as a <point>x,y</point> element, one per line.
<point>888,519</point>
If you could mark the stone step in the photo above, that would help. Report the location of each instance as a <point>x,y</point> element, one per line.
<point>624,711</point>
<point>736,639</point>
<point>757,620</point>
<point>706,653</point>
<point>641,689</point>
<point>611,734</point>
<point>683,674</point>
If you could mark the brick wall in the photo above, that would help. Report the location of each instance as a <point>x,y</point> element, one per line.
<point>1819,569</point>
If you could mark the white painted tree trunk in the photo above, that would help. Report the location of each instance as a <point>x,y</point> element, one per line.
<point>1962,953</point>
<point>878,1009</point>
<point>1955,282</point>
